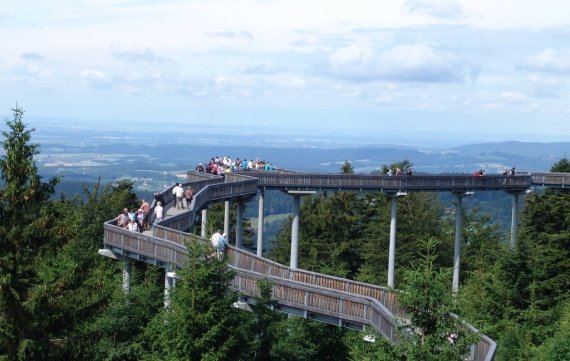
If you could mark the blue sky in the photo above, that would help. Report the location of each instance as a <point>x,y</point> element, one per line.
<point>443,68</point>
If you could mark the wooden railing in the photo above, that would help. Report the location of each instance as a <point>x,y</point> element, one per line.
<point>551,180</point>
<point>439,183</point>
<point>347,300</point>
<point>310,298</point>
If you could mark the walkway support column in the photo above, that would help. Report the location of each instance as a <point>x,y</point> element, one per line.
<point>127,268</point>
<point>458,239</point>
<point>260,221</point>
<point>514,220</point>
<point>169,284</point>
<point>227,219</point>
<point>204,226</point>
<point>294,260</point>
<point>239,225</point>
<point>392,246</point>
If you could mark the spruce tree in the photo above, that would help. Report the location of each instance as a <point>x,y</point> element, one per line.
<point>22,235</point>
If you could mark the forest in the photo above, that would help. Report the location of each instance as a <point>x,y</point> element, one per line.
<point>60,300</point>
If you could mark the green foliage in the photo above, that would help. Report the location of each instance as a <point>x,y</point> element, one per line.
<point>428,300</point>
<point>563,166</point>
<point>404,165</point>
<point>347,168</point>
<point>328,223</point>
<point>299,339</point>
<point>22,236</point>
<point>200,323</point>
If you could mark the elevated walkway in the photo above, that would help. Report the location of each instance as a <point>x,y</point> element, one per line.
<point>308,294</point>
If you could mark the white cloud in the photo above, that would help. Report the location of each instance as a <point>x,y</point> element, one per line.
<point>513,97</point>
<point>445,9</point>
<point>95,79</point>
<point>422,62</point>
<point>545,86</point>
<point>138,55</point>
<point>549,61</point>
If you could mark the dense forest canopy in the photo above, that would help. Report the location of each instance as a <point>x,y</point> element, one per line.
<point>60,300</point>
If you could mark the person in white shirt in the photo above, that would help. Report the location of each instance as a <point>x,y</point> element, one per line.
<point>158,212</point>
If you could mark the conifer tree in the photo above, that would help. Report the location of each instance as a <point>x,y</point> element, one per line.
<point>200,323</point>
<point>426,295</point>
<point>22,234</point>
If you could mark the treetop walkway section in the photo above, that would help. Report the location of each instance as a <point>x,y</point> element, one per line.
<point>308,294</point>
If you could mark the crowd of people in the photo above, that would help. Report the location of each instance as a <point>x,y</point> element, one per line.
<point>224,165</point>
<point>136,220</point>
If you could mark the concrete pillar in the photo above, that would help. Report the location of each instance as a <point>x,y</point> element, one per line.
<point>227,219</point>
<point>457,248</point>
<point>294,261</point>
<point>392,246</point>
<point>127,267</point>
<point>514,220</point>
<point>169,284</point>
<point>260,221</point>
<point>239,224</point>
<point>203,230</point>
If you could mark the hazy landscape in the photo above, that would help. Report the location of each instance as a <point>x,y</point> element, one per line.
<point>155,157</point>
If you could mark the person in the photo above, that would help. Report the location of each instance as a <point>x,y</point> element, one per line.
<point>178,193</point>
<point>133,226</point>
<point>140,220</point>
<point>222,243</point>
<point>188,196</point>
<point>399,171</point>
<point>390,172</point>
<point>123,218</point>
<point>158,212</point>
<point>158,198</point>
<point>200,168</point>
<point>145,207</point>
<point>215,241</point>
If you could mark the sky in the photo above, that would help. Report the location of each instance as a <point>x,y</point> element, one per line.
<point>455,69</point>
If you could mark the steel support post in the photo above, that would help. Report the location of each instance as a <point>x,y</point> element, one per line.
<point>392,247</point>
<point>239,225</point>
<point>457,247</point>
<point>514,220</point>
<point>203,230</point>
<point>294,261</point>
<point>227,220</point>
<point>260,221</point>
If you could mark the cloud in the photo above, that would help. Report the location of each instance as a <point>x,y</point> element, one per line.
<point>423,62</point>
<point>513,97</point>
<point>136,56</point>
<point>263,69</point>
<point>243,35</point>
<point>31,56</point>
<point>548,61</point>
<point>443,9</point>
<point>95,79</point>
<point>545,86</point>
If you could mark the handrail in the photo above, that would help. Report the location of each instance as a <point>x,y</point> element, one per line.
<point>553,180</point>
<point>438,183</point>
<point>344,305</point>
<point>171,251</point>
